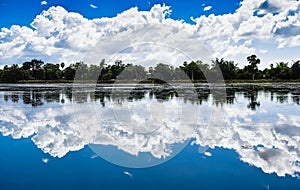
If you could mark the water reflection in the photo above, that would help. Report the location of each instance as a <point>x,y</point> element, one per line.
<point>260,122</point>
<point>37,97</point>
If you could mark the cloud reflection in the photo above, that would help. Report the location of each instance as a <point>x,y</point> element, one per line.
<point>267,138</point>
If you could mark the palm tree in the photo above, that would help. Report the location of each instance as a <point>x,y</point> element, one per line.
<point>62,65</point>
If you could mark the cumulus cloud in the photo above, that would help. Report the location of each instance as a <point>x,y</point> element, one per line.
<point>207,8</point>
<point>93,6</point>
<point>58,35</point>
<point>269,143</point>
<point>44,3</point>
<point>61,35</point>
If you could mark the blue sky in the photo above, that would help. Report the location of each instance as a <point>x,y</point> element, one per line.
<point>67,30</point>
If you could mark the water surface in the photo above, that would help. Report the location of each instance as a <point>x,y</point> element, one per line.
<point>149,136</point>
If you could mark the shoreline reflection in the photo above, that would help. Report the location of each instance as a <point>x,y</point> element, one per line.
<point>37,97</point>
<point>260,122</point>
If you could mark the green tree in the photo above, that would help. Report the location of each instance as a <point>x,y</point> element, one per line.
<point>245,73</point>
<point>107,75</point>
<point>253,61</point>
<point>295,70</point>
<point>94,72</point>
<point>81,71</point>
<point>133,72</point>
<point>11,74</point>
<point>163,72</point>
<point>37,71</point>
<point>34,66</point>
<point>271,72</point>
<point>282,71</point>
<point>194,70</point>
<point>116,69</point>
<point>69,73</point>
<point>228,68</point>
<point>51,71</point>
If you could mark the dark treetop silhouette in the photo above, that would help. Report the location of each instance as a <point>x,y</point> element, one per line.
<point>37,70</point>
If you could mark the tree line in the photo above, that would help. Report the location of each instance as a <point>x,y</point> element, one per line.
<point>36,97</point>
<point>195,70</point>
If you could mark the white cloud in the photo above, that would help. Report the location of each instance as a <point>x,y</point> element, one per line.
<point>58,35</point>
<point>263,51</point>
<point>93,6</point>
<point>44,3</point>
<point>128,174</point>
<point>269,143</point>
<point>94,156</point>
<point>207,8</point>
<point>207,154</point>
<point>45,160</point>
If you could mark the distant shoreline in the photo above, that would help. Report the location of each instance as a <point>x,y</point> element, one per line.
<point>151,81</point>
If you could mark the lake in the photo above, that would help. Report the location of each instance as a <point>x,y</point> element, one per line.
<point>150,136</point>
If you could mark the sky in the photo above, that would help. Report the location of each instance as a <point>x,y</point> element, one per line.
<point>69,30</point>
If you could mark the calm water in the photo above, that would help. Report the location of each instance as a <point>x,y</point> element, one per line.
<point>150,136</point>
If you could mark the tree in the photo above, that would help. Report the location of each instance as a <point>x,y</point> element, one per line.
<point>193,70</point>
<point>52,71</point>
<point>116,69</point>
<point>151,70</point>
<point>102,64</point>
<point>69,73</point>
<point>163,72</point>
<point>133,72</point>
<point>228,68</point>
<point>282,70</point>
<point>1,73</point>
<point>107,75</point>
<point>244,73</point>
<point>11,74</point>
<point>35,67</point>
<point>295,70</point>
<point>271,72</point>
<point>253,61</point>
<point>27,65</point>
<point>94,72</point>
<point>62,65</point>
